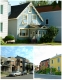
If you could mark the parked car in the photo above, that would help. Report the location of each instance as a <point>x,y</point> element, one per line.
<point>31,72</point>
<point>15,73</point>
<point>25,72</point>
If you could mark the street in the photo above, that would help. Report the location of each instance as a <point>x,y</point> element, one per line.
<point>46,76</point>
<point>28,76</point>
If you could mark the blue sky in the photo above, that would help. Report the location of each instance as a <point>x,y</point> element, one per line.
<point>16,2</point>
<point>22,51</point>
<point>34,53</point>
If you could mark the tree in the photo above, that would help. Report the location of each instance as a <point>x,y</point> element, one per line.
<point>54,4</point>
<point>39,3</point>
<point>50,34</point>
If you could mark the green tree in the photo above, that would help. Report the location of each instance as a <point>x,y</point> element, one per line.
<point>54,4</point>
<point>50,34</point>
<point>39,3</point>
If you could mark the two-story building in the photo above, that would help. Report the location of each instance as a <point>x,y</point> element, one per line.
<point>44,64</point>
<point>55,62</point>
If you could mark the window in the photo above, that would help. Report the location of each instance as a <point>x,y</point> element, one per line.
<point>46,21</point>
<point>23,32</point>
<point>24,19</point>
<point>30,9</point>
<point>52,61</point>
<point>1,9</point>
<point>58,68</point>
<point>34,19</point>
<point>1,27</point>
<point>58,59</point>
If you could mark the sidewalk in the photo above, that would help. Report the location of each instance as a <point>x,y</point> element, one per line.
<point>3,75</point>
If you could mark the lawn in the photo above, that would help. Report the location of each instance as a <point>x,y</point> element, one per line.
<point>20,44</point>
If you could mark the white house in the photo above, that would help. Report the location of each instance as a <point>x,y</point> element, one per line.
<point>3,18</point>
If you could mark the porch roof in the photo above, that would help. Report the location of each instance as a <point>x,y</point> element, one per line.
<point>37,26</point>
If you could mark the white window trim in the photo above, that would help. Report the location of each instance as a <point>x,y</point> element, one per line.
<point>36,17</point>
<point>22,19</point>
<point>28,9</point>
<point>23,29</point>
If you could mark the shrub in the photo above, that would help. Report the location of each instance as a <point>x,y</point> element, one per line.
<point>50,35</point>
<point>28,40</point>
<point>57,73</point>
<point>1,41</point>
<point>9,37</point>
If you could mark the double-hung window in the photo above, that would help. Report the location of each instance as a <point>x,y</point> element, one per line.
<point>24,19</point>
<point>34,18</point>
<point>23,32</point>
<point>1,9</point>
<point>1,27</point>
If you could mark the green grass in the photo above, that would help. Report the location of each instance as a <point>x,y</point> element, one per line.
<point>19,44</point>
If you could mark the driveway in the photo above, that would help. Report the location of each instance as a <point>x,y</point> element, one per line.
<point>46,76</point>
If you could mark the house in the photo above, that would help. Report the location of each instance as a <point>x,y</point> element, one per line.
<point>55,62</point>
<point>51,17</point>
<point>25,22</point>
<point>44,64</point>
<point>14,63</point>
<point>3,18</point>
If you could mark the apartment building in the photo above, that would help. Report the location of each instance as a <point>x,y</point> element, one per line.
<point>55,62</point>
<point>13,63</point>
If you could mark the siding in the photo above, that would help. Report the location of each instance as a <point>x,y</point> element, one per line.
<point>4,19</point>
<point>29,18</point>
<point>54,18</point>
<point>12,27</point>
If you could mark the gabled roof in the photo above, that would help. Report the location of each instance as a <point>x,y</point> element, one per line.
<point>17,9</point>
<point>47,8</point>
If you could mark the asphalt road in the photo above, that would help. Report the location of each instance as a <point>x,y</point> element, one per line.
<point>46,76</point>
<point>28,76</point>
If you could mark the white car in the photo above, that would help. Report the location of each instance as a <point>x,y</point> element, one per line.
<point>15,73</point>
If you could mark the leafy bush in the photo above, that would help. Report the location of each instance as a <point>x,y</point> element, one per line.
<point>9,37</point>
<point>28,40</point>
<point>50,35</point>
<point>1,41</point>
<point>57,73</point>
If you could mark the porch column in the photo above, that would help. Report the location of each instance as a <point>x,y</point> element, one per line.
<point>38,33</point>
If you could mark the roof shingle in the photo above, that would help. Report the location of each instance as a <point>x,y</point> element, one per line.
<point>16,10</point>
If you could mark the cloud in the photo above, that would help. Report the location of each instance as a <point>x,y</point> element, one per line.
<point>45,52</point>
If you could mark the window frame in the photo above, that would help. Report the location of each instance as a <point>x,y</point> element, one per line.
<point>25,33</point>
<point>58,60</point>
<point>1,8</point>
<point>34,19</point>
<point>24,19</point>
<point>47,22</point>
<point>1,27</point>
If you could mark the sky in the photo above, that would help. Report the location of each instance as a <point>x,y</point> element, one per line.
<point>16,2</point>
<point>13,51</point>
<point>34,53</point>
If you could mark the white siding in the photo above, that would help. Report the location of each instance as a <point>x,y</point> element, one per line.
<point>4,19</point>
<point>12,27</point>
<point>54,19</point>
